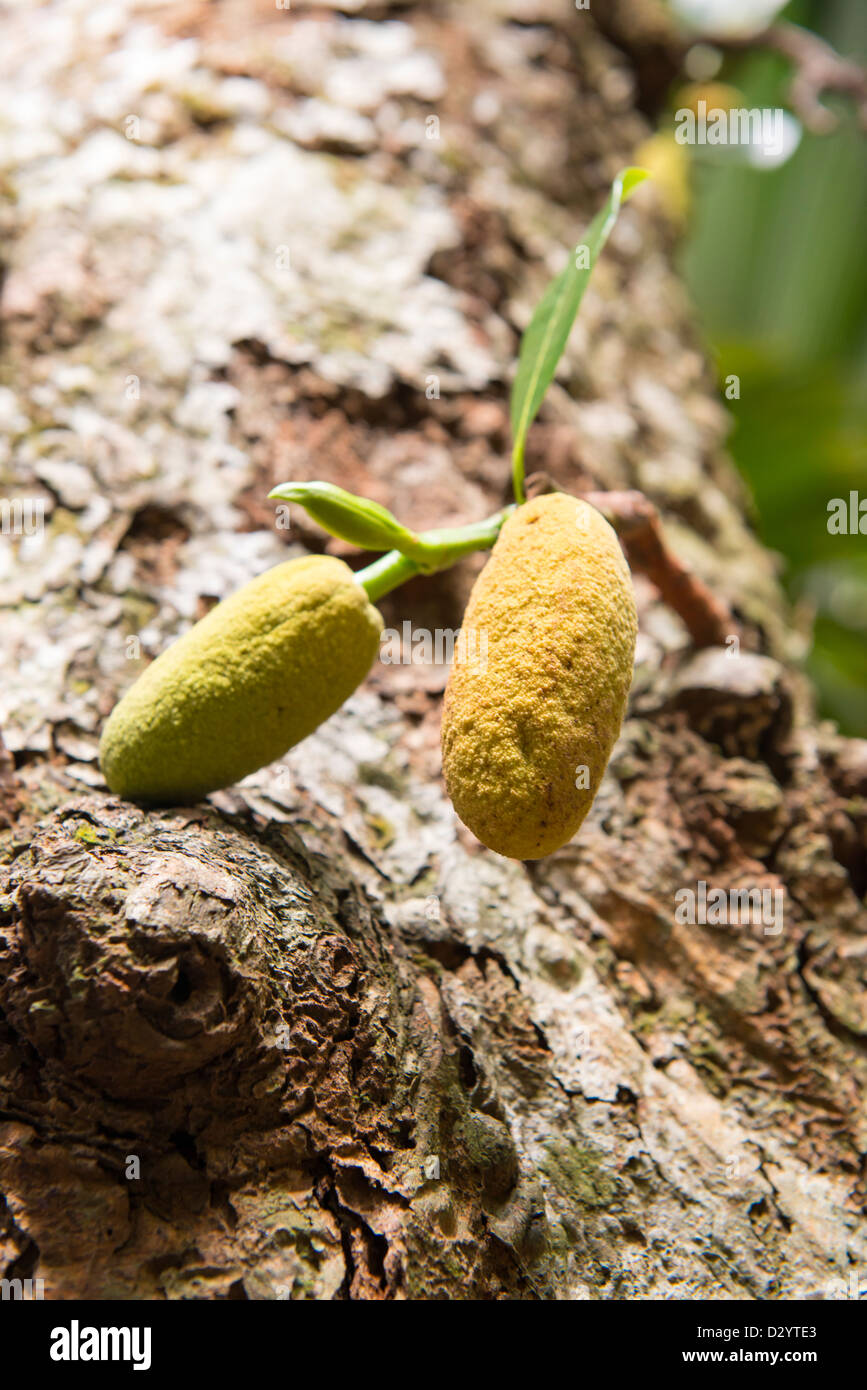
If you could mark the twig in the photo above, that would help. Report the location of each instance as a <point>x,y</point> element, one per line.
<point>707,618</point>
<point>818,69</point>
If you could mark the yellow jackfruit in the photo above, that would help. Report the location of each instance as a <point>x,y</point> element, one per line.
<point>541,675</point>
<point>254,677</point>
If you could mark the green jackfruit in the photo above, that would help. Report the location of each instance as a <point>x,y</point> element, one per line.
<point>538,689</point>
<point>253,678</point>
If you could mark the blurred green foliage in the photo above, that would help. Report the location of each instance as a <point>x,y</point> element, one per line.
<point>777,262</point>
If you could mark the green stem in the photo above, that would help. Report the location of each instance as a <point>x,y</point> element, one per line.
<point>386,574</point>
<point>518,473</point>
<point>438,550</point>
<point>435,550</point>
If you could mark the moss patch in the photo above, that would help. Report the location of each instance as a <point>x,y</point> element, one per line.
<point>578,1172</point>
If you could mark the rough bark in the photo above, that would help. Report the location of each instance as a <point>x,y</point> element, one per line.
<point>354,1054</point>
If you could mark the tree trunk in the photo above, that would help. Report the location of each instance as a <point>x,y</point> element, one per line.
<point>308,1040</point>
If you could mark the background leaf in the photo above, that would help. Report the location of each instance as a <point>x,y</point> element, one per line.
<point>776,264</point>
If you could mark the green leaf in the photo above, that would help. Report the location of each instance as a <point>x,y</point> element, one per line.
<point>548,331</point>
<point>350,518</point>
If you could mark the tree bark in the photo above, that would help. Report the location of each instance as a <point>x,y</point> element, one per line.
<point>308,1040</point>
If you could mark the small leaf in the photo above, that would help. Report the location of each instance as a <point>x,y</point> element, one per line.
<point>548,331</point>
<point>350,518</point>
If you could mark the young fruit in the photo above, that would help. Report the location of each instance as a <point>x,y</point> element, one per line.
<point>538,689</point>
<point>254,677</point>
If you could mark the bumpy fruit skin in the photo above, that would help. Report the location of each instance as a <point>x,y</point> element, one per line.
<point>539,684</point>
<point>254,677</point>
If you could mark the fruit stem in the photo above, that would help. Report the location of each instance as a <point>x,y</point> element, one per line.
<point>386,574</point>
<point>434,550</point>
